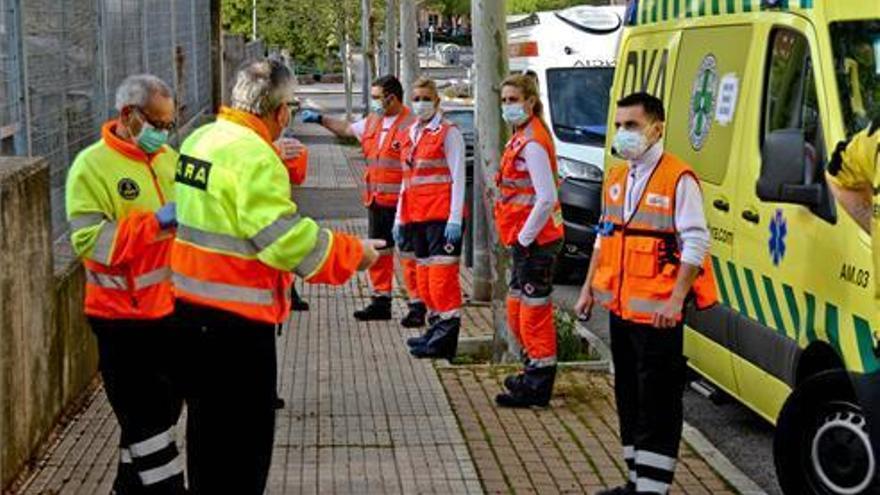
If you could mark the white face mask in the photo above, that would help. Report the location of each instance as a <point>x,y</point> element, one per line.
<point>630,145</point>
<point>424,110</point>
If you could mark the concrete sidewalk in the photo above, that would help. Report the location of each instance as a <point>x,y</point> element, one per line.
<point>362,416</point>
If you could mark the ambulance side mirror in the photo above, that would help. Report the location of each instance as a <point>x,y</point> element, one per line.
<point>785,170</point>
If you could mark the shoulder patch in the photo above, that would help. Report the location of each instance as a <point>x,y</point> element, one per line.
<point>128,189</point>
<point>193,172</point>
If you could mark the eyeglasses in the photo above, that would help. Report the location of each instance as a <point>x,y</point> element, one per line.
<point>162,126</point>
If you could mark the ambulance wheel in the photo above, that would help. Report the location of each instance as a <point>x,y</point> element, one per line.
<point>821,444</point>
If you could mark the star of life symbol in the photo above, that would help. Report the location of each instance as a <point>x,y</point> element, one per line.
<point>778,232</point>
<point>703,95</point>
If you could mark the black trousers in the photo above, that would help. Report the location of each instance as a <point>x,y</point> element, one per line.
<point>649,375</point>
<point>230,400</point>
<point>139,364</point>
<point>380,223</point>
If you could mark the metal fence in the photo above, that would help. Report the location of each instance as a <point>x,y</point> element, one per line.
<point>61,60</point>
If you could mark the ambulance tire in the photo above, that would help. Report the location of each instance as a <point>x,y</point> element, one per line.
<point>821,444</point>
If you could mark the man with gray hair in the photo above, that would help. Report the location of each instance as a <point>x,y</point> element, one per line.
<point>120,205</point>
<point>239,241</point>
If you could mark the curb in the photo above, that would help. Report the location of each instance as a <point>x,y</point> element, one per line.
<point>692,436</point>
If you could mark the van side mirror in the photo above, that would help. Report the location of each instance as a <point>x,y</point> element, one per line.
<point>785,174</point>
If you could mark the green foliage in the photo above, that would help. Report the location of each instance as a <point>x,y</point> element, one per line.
<point>569,345</point>
<point>310,31</point>
<point>451,8</point>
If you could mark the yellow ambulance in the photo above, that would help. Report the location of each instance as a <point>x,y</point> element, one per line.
<point>758,94</point>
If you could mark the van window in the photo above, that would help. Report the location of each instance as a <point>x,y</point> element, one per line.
<point>579,103</point>
<point>857,65</point>
<point>790,100</point>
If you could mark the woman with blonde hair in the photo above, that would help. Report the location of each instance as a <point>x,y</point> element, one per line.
<point>432,208</point>
<point>529,221</point>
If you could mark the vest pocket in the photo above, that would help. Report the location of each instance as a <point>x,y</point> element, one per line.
<point>642,255</point>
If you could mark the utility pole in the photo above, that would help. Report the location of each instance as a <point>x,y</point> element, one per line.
<point>490,64</point>
<point>409,46</point>
<point>345,55</point>
<point>391,37</point>
<point>366,48</point>
<point>253,20</point>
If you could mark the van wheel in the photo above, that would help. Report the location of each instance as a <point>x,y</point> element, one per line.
<point>821,444</point>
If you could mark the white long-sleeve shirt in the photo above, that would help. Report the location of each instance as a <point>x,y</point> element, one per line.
<point>690,219</point>
<point>534,159</point>
<point>359,128</point>
<point>455,151</point>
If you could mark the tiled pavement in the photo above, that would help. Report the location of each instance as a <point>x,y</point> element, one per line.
<point>571,447</point>
<point>364,417</point>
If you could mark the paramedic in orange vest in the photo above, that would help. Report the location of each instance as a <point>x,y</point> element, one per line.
<point>120,204</point>
<point>650,261</point>
<point>529,222</point>
<point>382,135</point>
<point>239,239</point>
<point>431,207</point>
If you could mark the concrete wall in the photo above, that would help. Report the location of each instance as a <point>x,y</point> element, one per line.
<point>47,356</point>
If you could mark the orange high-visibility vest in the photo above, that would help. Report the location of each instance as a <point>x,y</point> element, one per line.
<point>517,191</point>
<point>427,177</point>
<point>384,169</point>
<point>639,257</point>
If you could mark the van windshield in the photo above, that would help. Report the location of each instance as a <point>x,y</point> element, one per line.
<point>579,103</point>
<point>857,65</point>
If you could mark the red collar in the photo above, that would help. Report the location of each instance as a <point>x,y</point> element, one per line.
<point>123,147</point>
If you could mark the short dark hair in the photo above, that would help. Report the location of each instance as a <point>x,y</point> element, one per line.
<point>652,105</point>
<point>390,86</point>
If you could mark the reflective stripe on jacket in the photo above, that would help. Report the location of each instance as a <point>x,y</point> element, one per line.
<point>427,177</point>
<point>518,197</point>
<point>112,192</point>
<point>240,236</point>
<point>384,169</point>
<point>639,257</point>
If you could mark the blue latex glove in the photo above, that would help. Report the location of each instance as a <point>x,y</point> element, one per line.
<point>311,117</point>
<point>452,232</point>
<point>167,215</point>
<point>397,234</point>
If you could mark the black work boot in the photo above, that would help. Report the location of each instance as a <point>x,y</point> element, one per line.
<point>627,489</point>
<point>422,339</point>
<point>297,303</point>
<point>416,316</point>
<point>378,309</point>
<point>536,389</point>
<point>442,343</point>
<point>514,382</point>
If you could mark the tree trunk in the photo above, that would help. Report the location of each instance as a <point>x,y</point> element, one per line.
<point>409,46</point>
<point>367,55</point>
<point>490,64</point>
<point>391,37</point>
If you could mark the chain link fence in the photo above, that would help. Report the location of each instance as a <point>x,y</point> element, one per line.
<point>61,60</point>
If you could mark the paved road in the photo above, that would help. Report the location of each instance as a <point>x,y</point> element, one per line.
<point>741,435</point>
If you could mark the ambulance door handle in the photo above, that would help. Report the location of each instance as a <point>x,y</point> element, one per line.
<point>751,216</point>
<point>721,204</point>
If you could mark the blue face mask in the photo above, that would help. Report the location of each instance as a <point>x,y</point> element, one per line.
<point>151,139</point>
<point>377,107</point>
<point>514,113</point>
<point>630,145</point>
<point>423,109</point>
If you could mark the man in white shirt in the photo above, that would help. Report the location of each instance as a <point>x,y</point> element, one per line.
<point>649,258</point>
<point>383,136</point>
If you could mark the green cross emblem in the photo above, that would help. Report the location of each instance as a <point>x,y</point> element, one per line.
<point>703,93</point>
<point>703,102</point>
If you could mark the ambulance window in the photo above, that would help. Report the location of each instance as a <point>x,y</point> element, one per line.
<point>790,97</point>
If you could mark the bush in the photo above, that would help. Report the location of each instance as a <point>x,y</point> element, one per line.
<point>569,345</point>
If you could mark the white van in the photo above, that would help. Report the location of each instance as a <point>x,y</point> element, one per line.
<point>572,54</point>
